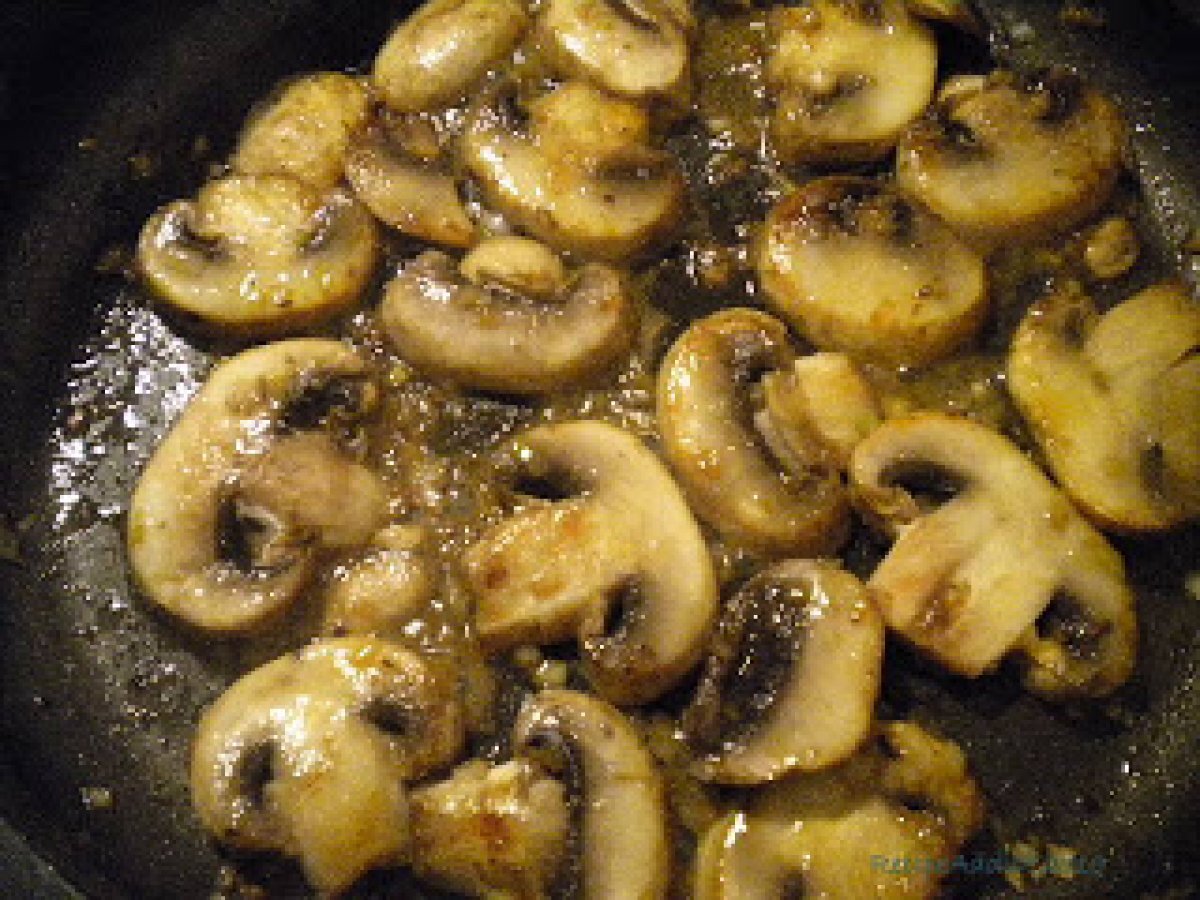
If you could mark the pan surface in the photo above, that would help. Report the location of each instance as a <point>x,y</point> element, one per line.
<point>99,697</point>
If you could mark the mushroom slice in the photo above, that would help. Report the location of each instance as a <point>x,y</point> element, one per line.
<point>1003,158</point>
<point>1094,390</point>
<point>849,833</point>
<point>577,178</point>
<point>304,131</point>
<point>857,267</point>
<point>791,681</point>
<point>230,511</point>
<point>259,253</point>
<point>308,755</point>
<point>848,76</point>
<point>491,831</point>
<point>1005,565</point>
<point>396,173</point>
<point>633,48</point>
<point>708,435</point>
<point>623,545</point>
<point>438,52</point>
<point>521,327</point>
<point>385,590</point>
<point>619,826</point>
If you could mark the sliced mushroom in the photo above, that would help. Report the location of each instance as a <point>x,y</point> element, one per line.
<point>397,172</point>
<point>887,824</point>
<point>438,52</point>
<point>619,826</point>
<point>308,755</point>
<point>633,48</point>
<point>304,131</point>
<point>1005,565</point>
<point>856,267</point>
<point>708,435</point>
<point>385,590</point>
<point>848,77</point>
<point>574,179</point>
<point>791,681</point>
<point>259,253</point>
<point>228,516</point>
<point>1006,159</point>
<point>622,546</point>
<point>1094,389</point>
<point>491,831</point>
<point>818,410</point>
<point>522,327</point>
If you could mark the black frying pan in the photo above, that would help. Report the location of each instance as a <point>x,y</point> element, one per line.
<point>102,106</point>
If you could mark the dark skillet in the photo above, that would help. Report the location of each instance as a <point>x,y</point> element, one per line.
<point>96,694</point>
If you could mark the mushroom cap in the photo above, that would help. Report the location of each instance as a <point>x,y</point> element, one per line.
<point>790,505</point>
<point>497,335</point>
<point>259,254</point>
<point>857,267</point>
<point>848,78</point>
<point>1097,392</point>
<point>792,678</point>
<point>620,826</point>
<point>623,542</point>
<point>439,51</point>
<point>242,449</point>
<point>308,755</point>
<point>1006,159</point>
<point>969,580</point>
<point>304,129</point>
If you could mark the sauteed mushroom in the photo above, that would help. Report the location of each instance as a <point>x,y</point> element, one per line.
<point>1114,402</point>
<point>397,172</point>
<point>259,253</point>
<point>304,131</point>
<point>708,435</point>
<point>633,48</point>
<point>857,267</point>
<point>1005,158</point>
<point>384,590</point>
<point>619,829</point>
<point>435,54</point>
<point>308,755</point>
<point>1005,565</point>
<point>791,681</point>
<point>848,76</point>
<point>839,834</point>
<point>508,318</point>
<point>581,177</point>
<point>622,545</point>
<point>229,513</point>
<point>491,831</point>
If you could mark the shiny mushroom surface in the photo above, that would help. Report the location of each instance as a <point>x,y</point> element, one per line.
<point>857,267</point>
<point>398,170</point>
<point>508,318</point>
<point>308,755</point>
<point>1005,158</point>
<point>619,563</point>
<point>784,503</point>
<point>305,130</point>
<point>383,591</point>
<point>633,48</point>
<point>848,76</point>
<point>259,254</point>
<point>1005,564</point>
<point>252,481</point>
<point>791,680</point>
<point>575,169</point>
<point>619,840</point>
<point>438,52</point>
<point>1113,401</point>
<point>847,834</point>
